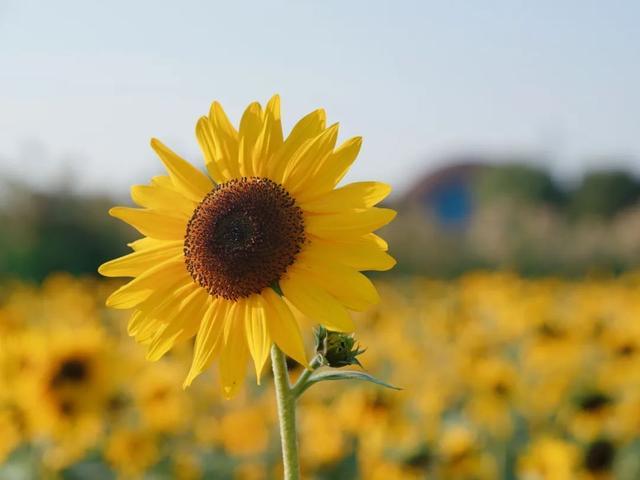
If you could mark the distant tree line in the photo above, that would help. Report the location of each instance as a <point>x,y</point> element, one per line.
<point>43,232</point>
<point>599,194</point>
<point>519,218</point>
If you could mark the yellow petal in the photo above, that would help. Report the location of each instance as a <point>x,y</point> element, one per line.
<point>356,195</point>
<point>157,308</point>
<point>142,327</point>
<point>163,181</point>
<point>136,263</point>
<point>270,139</point>
<point>348,286</point>
<point>283,327</point>
<point>219,143</point>
<point>209,339</point>
<point>381,242</point>
<point>147,242</point>
<point>307,128</point>
<point>226,138</point>
<point>158,318</point>
<point>331,170</point>
<point>188,179</point>
<point>140,288</point>
<point>151,223</point>
<point>163,200</point>
<point>354,223</point>
<point>214,158</point>
<point>233,357</point>
<point>314,302</point>
<point>250,128</point>
<point>258,339</point>
<point>183,324</point>
<point>362,253</point>
<point>136,322</point>
<point>306,158</point>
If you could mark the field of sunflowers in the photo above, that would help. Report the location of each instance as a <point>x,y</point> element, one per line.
<point>502,378</point>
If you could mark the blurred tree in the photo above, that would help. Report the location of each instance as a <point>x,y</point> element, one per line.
<point>521,183</point>
<point>57,231</point>
<point>603,194</point>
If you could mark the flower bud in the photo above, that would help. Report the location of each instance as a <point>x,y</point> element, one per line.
<point>337,349</point>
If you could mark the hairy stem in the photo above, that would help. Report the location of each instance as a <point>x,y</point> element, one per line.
<point>286,415</point>
<point>301,384</point>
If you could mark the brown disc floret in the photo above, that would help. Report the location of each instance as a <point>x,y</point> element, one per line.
<point>242,237</point>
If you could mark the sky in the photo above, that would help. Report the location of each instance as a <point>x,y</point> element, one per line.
<point>84,85</point>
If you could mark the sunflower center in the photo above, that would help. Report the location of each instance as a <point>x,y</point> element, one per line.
<point>242,237</point>
<point>594,402</point>
<point>72,371</point>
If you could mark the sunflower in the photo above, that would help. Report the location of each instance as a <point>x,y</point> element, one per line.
<point>72,382</point>
<point>132,451</point>
<point>548,457</point>
<point>163,408</point>
<point>229,256</point>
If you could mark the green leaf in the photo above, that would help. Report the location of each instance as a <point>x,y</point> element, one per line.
<point>346,375</point>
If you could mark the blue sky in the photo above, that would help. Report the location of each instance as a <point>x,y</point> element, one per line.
<point>84,85</point>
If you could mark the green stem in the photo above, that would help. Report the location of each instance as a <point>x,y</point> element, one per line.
<point>301,384</point>
<point>286,415</point>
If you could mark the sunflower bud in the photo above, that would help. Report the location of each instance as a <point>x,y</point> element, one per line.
<point>337,349</point>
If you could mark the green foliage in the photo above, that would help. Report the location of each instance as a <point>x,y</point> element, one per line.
<point>57,231</point>
<point>603,194</point>
<point>517,182</point>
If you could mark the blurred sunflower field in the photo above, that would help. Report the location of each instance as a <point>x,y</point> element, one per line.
<point>502,377</point>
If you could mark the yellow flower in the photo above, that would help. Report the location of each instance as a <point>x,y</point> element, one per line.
<point>74,378</point>
<point>457,443</point>
<point>131,452</point>
<point>460,456</point>
<point>186,466</point>
<point>251,471</point>
<point>9,434</point>
<point>163,408</point>
<point>226,256</point>
<point>65,392</point>
<point>493,389</point>
<point>322,440</point>
<point>549,459</point>
<point>592,415</point>
<point>234,427</point>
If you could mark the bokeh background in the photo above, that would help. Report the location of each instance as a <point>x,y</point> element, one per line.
<point>509,132</point>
